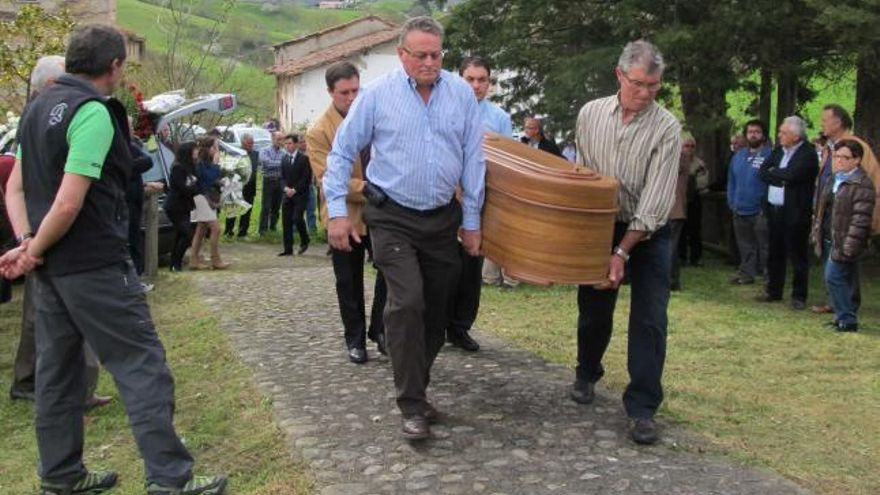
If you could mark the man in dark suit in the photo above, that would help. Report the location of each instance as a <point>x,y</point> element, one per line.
<point>296,177</point>
<point>790,173</point>
<point>248,192</point>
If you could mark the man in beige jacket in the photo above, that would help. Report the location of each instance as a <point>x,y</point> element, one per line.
<point>343,83</point>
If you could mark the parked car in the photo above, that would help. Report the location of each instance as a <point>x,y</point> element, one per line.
<point>233,134</point>
<point>172,129</point>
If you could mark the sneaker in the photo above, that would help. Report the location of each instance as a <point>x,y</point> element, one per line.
<point>91,483</point>
<point>198,485</point>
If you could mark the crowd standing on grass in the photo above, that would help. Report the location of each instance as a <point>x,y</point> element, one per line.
<point>394,189</point>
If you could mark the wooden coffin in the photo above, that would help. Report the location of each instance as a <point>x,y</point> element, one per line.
<point>545,220</point>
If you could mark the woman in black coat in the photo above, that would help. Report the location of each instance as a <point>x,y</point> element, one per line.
<point>182,187</point>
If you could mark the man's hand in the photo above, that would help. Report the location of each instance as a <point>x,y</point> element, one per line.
<point>289,191</point>
<point>18,262</point>
<point>615,274</point>
<point>339,229</point>
<point>471,241</point>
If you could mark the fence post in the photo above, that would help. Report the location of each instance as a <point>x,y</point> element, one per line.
<point>151,234</point>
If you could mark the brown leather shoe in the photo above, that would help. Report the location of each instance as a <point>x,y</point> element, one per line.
<point>96,401</point>
<point>220,265</point>
<point>415,428</point>
<point>822,309</point>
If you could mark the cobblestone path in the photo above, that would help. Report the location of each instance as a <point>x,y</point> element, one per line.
<point>509,427</point>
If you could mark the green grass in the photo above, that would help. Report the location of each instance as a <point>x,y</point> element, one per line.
<point>224,420</point>
<point>762,383</point>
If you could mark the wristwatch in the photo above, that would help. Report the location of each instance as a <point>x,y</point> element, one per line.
<point>621,253</point>
<point>23,237</point>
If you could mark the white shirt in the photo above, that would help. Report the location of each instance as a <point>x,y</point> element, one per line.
<point>776,195</point>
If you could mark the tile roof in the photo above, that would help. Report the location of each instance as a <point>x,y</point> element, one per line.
<point>334,53</point>
<point>334,28</point>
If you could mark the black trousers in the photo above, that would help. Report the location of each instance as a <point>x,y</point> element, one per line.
<point>349,270</point>
<point>247,193</point>
<point>690,244</point>
<point>292,211</point>
<point>419,257</point>
<point>787,242</point>
<point>465,302</point>
<point>107,308</point>
<point>271,204</point>
<point>648,271</point>
<point>135,235</point>
<point>183,234</point>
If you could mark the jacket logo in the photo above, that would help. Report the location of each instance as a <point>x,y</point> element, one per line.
<point>57,114</point>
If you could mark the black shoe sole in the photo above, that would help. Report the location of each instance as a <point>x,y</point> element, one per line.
<point>582,400</point>
<point>414,437</point>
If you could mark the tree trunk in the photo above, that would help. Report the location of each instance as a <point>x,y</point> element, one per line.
<point>786,95</point>
<point>705,111</point>
<point>765,99</point>
<point>867,118</point>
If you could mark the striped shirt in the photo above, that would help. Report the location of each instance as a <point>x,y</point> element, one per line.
<point>495,119</point>
<point>642,155</point>
<point>270,159</point>
<point>420,152</point>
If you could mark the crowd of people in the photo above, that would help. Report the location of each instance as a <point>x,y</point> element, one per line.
<point>400,169</point>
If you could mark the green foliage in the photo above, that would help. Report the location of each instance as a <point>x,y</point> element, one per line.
<point>32,34</point>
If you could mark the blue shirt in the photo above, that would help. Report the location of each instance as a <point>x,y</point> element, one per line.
<point>420,152</point>
<point>745,189</point>
<point>495,119</point>
<point>840,178</point>
<point>270,160</point>
<point>208,173</point>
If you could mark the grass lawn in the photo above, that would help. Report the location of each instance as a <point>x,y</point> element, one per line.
<point>761,382</point>
<point>222,417</point>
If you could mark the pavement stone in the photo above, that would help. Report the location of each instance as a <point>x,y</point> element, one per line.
<point>508,426</point>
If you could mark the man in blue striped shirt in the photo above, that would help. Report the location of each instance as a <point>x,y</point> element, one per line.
<point>425,129</point>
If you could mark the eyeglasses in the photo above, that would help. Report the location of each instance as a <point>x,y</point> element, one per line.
<point>422,56</point>
<point>651,87</point>
<point>838,156</point>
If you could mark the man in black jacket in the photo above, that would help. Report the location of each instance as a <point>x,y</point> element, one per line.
<point>296,177</point>
<point>791,174</point>
<point>535,137</point>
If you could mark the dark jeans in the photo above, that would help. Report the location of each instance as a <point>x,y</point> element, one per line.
<point>271,204</point>
<point>675,228</point>
<point>311,209</point>
<point>292,210</point>
<point>25,368</point>
<point>856,281</point>
<point>751,240</point>
<point>648,272</point>
<point>419,257</point>
<point>349,270</point>
<point>248,193</point>
<point>690,246</point>
<point>787,242</point>
<point>840,278</point>
<point>107,308</point>
<point>183,234</point>
<point>465,303</point>
<point>135,235</point>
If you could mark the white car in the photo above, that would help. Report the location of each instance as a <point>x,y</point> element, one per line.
<point>233,134</point>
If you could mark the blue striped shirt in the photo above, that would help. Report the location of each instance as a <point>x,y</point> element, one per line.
<point>495,119</point>
<point>420,153</point>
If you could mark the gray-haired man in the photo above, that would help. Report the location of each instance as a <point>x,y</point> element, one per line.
<point>631,138</point>
<point>790,173</point>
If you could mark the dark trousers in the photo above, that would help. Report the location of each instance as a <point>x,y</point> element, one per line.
<point>271,203</point>
<point>690,245</point>
<point>136,235</point>
<point>311,209</point>
<point>751,239</point>
<point>840,278</point>
<point>349,270</point>
<point>183,234</point>
<point>856,281</point>
<point>106,308</point>
<point>648,272</point>
<point>465,302</point>
<point>787,242</point>
<point>292,210</point>
<point>419,257</point>
<point>248,193</point>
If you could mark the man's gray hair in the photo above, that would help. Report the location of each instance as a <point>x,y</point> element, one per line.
<point>798,126</point>
<point>642,54</point>
<point>47,69</point>
<point>246,136</point>
<point>424,24</point>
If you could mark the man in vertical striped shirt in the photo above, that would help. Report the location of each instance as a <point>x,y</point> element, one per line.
<point>426,134</point>
<point>628,136</point>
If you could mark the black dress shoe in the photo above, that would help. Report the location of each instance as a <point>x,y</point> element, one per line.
<point>380,344</point>
<point>583,392</point>
<point>357,356</point>
<point>431,414</point>
<point>847,327</point>
<point>27,395</point>
<point>415,428</point>
<point>286,253</point>
<point>464,341</point>
<point>303,249</point>
<point>644,431</point>
<point>798,305</point>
